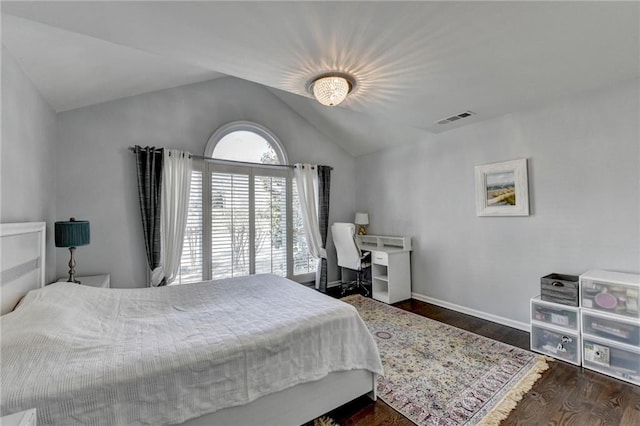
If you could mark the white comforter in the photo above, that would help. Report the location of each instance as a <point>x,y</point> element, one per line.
<point>164,355</point>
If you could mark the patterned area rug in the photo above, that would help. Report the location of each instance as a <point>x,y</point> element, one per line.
<point>436,374</point>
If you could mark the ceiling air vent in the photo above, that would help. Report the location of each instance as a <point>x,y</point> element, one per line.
<point>455,117</point>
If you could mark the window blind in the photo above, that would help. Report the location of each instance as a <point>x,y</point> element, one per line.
<point>270,225</point>
<point>230,227</point>
<point>253,225</point>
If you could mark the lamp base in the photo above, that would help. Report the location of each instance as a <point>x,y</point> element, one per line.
<point>72,267</point>
<point>362,230</point>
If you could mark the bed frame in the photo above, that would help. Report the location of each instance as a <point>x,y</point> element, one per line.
<point>296,405</point>
<point>22,268</point>
<point>22,263</point>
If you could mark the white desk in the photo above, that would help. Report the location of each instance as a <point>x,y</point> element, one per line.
<point>390,266</point>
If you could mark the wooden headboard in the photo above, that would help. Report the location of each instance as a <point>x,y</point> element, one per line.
<point>22,251</point>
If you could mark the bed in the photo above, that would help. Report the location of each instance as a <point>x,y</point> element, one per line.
<point>251,350</point>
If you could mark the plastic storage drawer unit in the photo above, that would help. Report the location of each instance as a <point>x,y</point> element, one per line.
<point>554,314</point>
<point>616,328</point>
<point>615,293</point>
<point>614,359</point>
<point>556,342</point>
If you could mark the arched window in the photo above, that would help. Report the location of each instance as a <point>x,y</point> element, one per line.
<point>244,214</point>
<point>246,141</point>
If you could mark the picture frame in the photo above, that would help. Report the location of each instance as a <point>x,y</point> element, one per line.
<point>502,189</point>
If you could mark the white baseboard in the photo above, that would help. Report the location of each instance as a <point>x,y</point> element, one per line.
<point>334,284</point>
<point>480,314</point>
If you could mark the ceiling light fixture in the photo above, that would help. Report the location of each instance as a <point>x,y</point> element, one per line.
<point>331,89</point>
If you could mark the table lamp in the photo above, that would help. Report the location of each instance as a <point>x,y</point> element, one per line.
<point>362,219</point>
<point>72,234</point>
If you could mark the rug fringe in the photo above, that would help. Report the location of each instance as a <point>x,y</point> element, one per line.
<point>508,403</point>
<point>325,421</point>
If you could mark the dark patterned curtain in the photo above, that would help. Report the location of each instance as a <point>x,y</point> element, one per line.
<point>149,168</point>
<point>324,189</point>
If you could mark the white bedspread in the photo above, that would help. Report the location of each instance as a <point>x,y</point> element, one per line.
<point>164,355</point>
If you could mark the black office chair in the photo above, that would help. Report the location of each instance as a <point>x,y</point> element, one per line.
<point>349,255</point>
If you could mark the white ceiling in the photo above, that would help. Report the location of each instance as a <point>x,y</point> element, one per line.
<point>415,62</point>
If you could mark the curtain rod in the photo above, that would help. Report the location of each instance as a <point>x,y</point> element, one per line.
<point>231,162</point>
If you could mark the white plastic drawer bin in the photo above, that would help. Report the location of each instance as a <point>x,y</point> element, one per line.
<point>613,359</point>
<point>555,314</point>
<point>556,342</point>
<point>614,293</point>
<point>619,329</point>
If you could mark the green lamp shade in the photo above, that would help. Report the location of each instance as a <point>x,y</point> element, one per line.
<point>73,233</point>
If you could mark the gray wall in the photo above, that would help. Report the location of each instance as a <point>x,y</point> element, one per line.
<point>27,173</point>
<point>584,192</point>
<point>96,177</point>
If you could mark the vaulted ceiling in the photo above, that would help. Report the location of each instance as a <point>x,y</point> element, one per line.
<point>414,62</point>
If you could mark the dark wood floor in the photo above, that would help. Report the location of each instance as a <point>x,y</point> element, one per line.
<point>565,395</point>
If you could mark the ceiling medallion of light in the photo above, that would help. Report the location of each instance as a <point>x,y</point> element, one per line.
<point>332,88</point>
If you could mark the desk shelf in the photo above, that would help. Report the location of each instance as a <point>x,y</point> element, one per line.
<point>381,241</point>
<point>381,291</point>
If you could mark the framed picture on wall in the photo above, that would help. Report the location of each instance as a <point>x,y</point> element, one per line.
<point>502,189</point>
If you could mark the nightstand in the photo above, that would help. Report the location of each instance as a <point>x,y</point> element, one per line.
<point>103,281</point>
<point>23,418</point>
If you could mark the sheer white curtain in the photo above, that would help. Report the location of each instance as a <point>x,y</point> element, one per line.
<point>176,185</point>
<point>307,181</point>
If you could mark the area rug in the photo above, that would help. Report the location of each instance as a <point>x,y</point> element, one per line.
<point>436,374</point>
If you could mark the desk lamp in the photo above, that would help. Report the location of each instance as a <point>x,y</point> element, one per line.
<point>362,219</point>
<point>72,234</point>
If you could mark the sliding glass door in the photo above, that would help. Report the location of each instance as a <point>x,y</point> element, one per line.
<point>251,225</point>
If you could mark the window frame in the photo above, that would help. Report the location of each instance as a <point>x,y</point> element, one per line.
<point>212,165</point>
<point>252,172</point>
<point>247,126</point>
